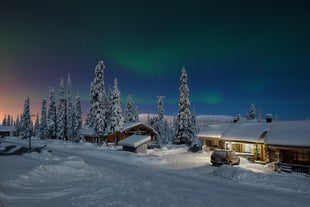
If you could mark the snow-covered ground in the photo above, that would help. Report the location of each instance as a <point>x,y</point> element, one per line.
<point>83,174</point>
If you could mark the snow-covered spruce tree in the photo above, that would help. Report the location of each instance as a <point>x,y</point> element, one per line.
<point>70,112</point>
<point>184,133</point>
<point>26,128</point>
<point>116,119</point>
<point>8,121</point>
<point>12,121</point>
<point>90,117</point>
<point>196,140</point>
<point>51,116</point>
<point>36,128</point>
<point>160,107</point>
<point>136,114</point>
<point>129,113</point>
<point>259,114</point>
<point>43,121</point>
<point>61,130</point>
<point>108,107</point>
<point>158,122</point>
<point>97,112</point>
<point>78,118</point>
<point>4,122</point>
<point>17,126</point>
<point>252,113</point>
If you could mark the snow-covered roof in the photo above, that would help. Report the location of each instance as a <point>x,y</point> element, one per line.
<point>128,125</point>
<point>213,131</point>
<point>239,131</point>
<point>247,131</point>
<point>289,133</point>
<point>7,128</point>
<point>135,140</point>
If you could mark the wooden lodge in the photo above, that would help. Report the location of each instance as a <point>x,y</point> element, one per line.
<point>280,141</point>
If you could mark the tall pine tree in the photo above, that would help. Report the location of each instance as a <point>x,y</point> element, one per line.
<point>184,133</point>
<point>129,113</point>
<point>116,120</point>
<point>61,130</point>
<point>252,113</point>
<point>70,111</point>
<point>43,121</point>
<point>26,128</point>
<point>17,126</point>
<point>4,122</point>
<point>51,116</point>
<point>97,112</point>
<point>78,118</point>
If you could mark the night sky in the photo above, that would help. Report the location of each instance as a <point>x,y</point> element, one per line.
<point>235,53</point>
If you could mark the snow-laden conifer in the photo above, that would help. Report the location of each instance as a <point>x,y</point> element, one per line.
<point>8,122</point>
<point>70,111</point>
<point>17,125</point>
<point>4,122</point>
<point>78,118</point>
<point>97,112</point>
<point>61,112</point>
<point>252,113</point>
<point>116,119</point>
<point>129,113</point>
<point>26,124</point>
<point>184,133</point>
<point>90,117</point>
<point>136,114</point>
<point>196,141</point>
<point>43,121</point>
<point>36,128</point>
<point>51,116</point>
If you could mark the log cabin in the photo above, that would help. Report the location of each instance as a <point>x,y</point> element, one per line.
<point>130,128</point>
<point>7,131</point>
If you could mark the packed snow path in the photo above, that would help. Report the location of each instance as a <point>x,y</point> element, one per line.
<point>86,175</point>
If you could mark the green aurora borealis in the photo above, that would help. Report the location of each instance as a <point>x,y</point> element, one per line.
<point>235,52</point>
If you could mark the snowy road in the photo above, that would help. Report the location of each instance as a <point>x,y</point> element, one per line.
<point>75,175</point>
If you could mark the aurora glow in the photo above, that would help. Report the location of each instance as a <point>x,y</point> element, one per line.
<point>235,53</point>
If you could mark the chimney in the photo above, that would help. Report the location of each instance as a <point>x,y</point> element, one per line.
<point>268,117</point>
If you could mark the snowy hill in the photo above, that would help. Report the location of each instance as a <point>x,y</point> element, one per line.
<point>202,120</point>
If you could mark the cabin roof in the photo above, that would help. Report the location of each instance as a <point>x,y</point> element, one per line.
<point>240,131</point>
<point>127,125</point>
<point>135,140</point>
<point>213,131</point>
<point>289,133</point>
<point>247,131</point>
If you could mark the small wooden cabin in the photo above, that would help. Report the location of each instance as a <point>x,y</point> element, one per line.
<point>6,131</point>
<point>130,128</point>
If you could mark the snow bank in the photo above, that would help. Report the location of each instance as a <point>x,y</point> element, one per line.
<point>280,182</point>
<point>55,180</point>
<point>44,155</point>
